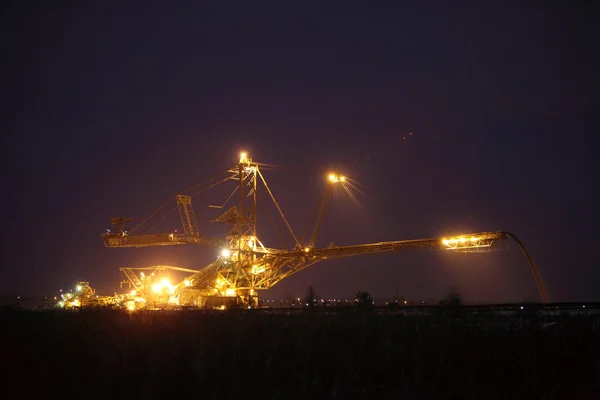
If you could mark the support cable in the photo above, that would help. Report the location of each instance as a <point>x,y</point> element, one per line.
<point>324,205</point>
<point>311,218</point>
<point>279,235</point>
<point>173,198</point>
<point>278,208</point>
<point>534,271</point>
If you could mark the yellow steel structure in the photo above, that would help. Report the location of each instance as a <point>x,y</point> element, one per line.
<point>83,296</point>
<point>245,265</point>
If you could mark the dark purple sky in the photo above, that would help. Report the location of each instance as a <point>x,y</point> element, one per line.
<point>113,108</point>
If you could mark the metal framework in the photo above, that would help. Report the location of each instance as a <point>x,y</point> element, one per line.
<point>245,265</point>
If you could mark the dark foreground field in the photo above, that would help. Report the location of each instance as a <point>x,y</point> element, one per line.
<point>107,355</point>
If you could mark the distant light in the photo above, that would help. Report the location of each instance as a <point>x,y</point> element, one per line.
<point>521,307</point>
<point>225,253</point>
<point>78,288</point>
<point>306,249</point>
<point>583,306</point>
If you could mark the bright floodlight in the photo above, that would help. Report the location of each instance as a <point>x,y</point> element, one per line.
<point>243,157</point>
<point>162,285</point>
<point>225,253</point>
<point>336,178</point>
<point>463,243</point>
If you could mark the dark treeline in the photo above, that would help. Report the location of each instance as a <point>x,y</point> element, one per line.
<point>109,354</point>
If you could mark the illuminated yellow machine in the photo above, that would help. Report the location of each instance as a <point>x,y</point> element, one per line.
<point>244,265</point>
<point>83,296</point>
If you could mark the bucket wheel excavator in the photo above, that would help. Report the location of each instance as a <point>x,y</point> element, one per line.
<point>245,265</point>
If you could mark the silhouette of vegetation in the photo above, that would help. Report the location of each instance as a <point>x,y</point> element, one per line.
<point>310,300</point>
<point>208,354</point>
<point>364,300</point>
<point>453,298</point>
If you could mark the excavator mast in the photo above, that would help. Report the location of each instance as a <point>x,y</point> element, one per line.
<point>188,219</point>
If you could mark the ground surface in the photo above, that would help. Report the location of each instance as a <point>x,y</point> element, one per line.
<point>307,355</point>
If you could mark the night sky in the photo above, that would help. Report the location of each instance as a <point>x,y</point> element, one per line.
<point>112,107</point>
